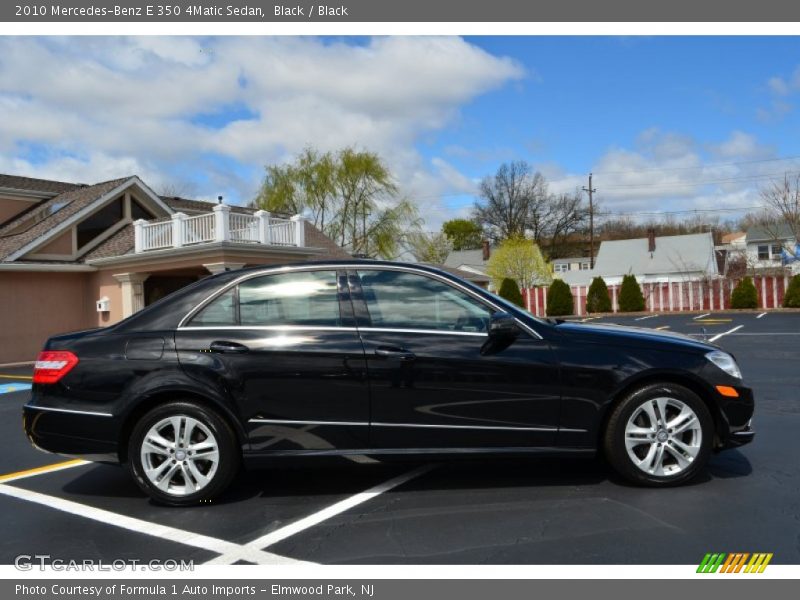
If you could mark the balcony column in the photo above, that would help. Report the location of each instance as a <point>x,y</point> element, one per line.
<point>132,291</point>
<point>138,235</point>
<point>222,223</point>
<point>300,230</point>
<point>177,229</point>
<point>264,230</point>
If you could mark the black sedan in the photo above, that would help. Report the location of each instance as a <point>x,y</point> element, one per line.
<point>367,357</point>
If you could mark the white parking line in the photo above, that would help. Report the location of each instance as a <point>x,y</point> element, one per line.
<point>701,316</point>
<point>326,513</point>
<point>233,551</point>
<point>761,315</point>
<point>719,335</point>
<point>643,318</point>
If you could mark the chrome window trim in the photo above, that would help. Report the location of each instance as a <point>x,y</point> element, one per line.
<point>69,411</point>
<point>411,425</point>
<point>330,328</point>
<point>348,266</point>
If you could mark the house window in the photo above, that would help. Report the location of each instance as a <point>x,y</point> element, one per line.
<point>560,268</point>
<point>777,249</point>
<point>140,212</point>
<point>99,222</point>
<point>763,253</point>
<point>584,266</point>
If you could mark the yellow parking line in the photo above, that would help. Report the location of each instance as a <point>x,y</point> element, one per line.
<point>40,470</point>
<point>27,377</point>
<point>713,320</point>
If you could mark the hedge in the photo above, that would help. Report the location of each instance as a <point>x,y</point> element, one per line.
<point>559,299</point>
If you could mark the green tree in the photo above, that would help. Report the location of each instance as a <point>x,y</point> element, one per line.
<point>349,195</point>
<point>559,299</point>
<point>463,234</point>
<point>597,300</point>
<point>744,295</point>
<point>510,291</point>
<point>429,247</point>
<point>630,295</point>
<point>791,299</point>
<point>518,259</point>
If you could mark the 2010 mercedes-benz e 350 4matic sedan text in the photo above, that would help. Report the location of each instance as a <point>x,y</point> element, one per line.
<point>368,357</point>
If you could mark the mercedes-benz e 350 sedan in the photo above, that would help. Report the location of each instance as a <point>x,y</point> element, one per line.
<point>367,357</point>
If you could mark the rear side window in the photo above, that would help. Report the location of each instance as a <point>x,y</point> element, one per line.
<point>303,298</point>
<point>221,311</point>
<point>401,300</point>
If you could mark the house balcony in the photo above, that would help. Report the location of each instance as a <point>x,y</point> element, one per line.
<point>220,225</point>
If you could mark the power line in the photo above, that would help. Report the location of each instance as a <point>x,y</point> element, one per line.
<point>704,166</point>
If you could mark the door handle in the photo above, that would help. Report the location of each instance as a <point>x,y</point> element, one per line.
<point>228,348</point>
<point>396,353</point>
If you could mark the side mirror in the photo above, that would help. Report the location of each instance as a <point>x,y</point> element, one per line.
<point>503,327</point>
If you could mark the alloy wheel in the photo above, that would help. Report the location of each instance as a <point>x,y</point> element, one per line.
<point>663,436</point>
<point>179,455</point>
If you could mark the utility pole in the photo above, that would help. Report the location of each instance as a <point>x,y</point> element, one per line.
<point>591,191</point>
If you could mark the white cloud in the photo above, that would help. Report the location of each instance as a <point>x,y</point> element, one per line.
<point>96,105</point>
<point>668,171</point>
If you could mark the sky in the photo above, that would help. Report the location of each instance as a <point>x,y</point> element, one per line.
<point>666,124</point>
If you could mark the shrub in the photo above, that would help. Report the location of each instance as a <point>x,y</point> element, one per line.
<point>630,295</point>
<point>791,299</point>
<point>559,299</point>
<point>744,295</point>
<point>510,291</point>
<point>597,300</point>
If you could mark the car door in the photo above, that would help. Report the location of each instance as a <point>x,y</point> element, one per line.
<point>431,386</point>
<point>284,348</point>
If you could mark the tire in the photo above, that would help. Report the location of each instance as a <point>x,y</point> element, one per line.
<point>183,472</point>
<point>647,449</point>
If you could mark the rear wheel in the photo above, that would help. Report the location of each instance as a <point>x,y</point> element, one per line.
<point>182,453</point>
<point>659,435</point>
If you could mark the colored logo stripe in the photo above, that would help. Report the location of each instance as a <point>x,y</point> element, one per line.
<point>735,562</point>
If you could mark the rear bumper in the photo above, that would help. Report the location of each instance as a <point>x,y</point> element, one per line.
<point>74,433</point>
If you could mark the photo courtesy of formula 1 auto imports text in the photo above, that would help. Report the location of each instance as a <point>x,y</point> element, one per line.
<point>375,300</point>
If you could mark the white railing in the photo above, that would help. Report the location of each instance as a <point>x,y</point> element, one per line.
<point>244,228</point>
<point>282,232</point>
<point>157,235</point>
<point>219,226</point>
<point>198,230</point>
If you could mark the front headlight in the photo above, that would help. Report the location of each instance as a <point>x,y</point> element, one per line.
<point>725,362</point>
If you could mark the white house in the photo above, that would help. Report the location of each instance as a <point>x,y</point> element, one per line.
<point>652,259</point>
<point>766,246</point>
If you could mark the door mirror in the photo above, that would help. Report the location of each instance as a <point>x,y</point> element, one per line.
<point>503,327</point>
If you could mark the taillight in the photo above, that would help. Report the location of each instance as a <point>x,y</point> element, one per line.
<point>52,365</point>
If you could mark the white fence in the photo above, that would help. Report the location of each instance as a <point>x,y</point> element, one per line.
<point>221,225</point>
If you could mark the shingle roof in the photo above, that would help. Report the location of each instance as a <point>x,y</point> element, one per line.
<point>673,254</point>
<point>781,231</point>
<point>75,200</point>
<point>472,258</point>
<point>179,204</point>
<point>29,184</point>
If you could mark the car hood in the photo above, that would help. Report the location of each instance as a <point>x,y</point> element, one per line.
<point>638,336</point>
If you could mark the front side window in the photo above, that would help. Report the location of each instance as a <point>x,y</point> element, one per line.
<point>777,250</point>
<point>303,298</point>
<point>399,300</point>
<point>763,253</point>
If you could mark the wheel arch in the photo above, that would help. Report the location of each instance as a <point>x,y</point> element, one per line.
<point>155,399</point>
<point>687,380</point>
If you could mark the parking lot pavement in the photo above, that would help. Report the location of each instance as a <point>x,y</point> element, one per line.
<point>486,511</point>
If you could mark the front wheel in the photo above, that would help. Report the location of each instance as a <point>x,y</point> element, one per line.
<point>659,435</point>
<point>182,453</point>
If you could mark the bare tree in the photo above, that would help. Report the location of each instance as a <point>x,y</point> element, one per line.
<point>567,215</point>
<point>782,211</point>
<point>510,201</point>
